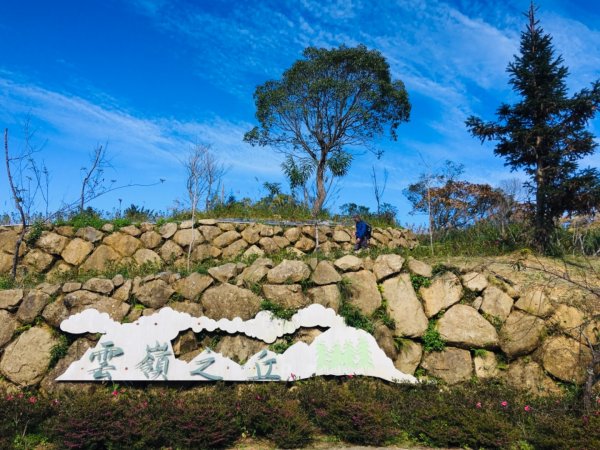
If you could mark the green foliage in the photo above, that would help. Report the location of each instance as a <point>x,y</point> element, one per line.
<point>351,314</point>
<point>419,281</point>
<point>138,214</point>
<point>355,410</point>
<point>6,282</point>
<point>281,345</point>
<point>271,412</point>
<point>432,341</point>
<point>88,218</point>
<point>381,314</point>
<point>544,133</point>
<point>34,233</point>
<point>120,222</point>
<point>277,310</point>
<point>59,350</point>
<point>350,88</point>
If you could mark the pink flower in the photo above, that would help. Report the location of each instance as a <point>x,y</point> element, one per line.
<point>115,393</point>
<point>32,400</point>
<point>527,408</point>
<point>10,397</point>
<point>350,376</point>
<point>55,401</point>
<point>504,404</point>
<point>478,405</point>
<point>20,395</point>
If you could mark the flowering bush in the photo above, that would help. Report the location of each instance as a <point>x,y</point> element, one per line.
<point>20,413</point>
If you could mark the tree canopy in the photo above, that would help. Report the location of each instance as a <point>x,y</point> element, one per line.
<point>545,133</point>
<point>326,104</point>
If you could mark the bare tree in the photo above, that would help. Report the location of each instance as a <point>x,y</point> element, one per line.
<point>204,173</point>
<point>93,181</point>
<point>25,179</point>
<point>379,190</point>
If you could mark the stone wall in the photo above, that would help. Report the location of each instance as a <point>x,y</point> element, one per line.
<point>531,335</point>
<point>61,249</point>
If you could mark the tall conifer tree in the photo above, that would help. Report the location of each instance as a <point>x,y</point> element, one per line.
<point>545,132</point>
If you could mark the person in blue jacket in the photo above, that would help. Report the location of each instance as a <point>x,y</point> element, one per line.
<point>362,234</point>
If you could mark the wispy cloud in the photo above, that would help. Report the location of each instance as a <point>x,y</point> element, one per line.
<point>143,149</point>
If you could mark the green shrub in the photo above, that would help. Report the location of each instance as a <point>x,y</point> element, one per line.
<point>21,414</point>
<point>267,411</point>
<point>419,281</point>
<point>432,341</point>
<point>277,310</point>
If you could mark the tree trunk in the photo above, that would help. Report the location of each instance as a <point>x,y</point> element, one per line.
<point>543,221</point>
<point>321,192</point>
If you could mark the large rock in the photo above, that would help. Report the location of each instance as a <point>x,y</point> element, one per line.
<point>387,265</point>
<point>474,281</point>
<point>193,285</point>
<point>496,303</point>
<point>452,365</point>
<point>409,356</point>
<point>234,249</point>
<point>535,302</point>
<point>90,234</point>
<point>52,243</point>
<point>268,245</point>
<point>124,244</point>
<point>49,385</point>
<point>328,296</point>
<point>124,291</point>
<point>256,271</point>
<point>404,306</point>
<point>204,252</point>
<point>131,230</point>
<point>385,339</point>
<point>364,293</point>
<point>239,347</point>
<point>529,376</point>
<point>8,240</point>
<point>568,319</point>
<point>463,326</point>
<point>289,296</point>
<point>288,271</point>
<point>341,236</point>
<point>145,256</point>
<point>8,327</point>
<point>10,298</point>
<point>292,234</point>
<point>228,301</point>
<point>251,234</point>
<point>305,244</point>
<point>185,238</point>
<point>325,273</point>
<point>100,285</point>
<point>154,294</point>
<point>226,239</point>
<point>81,300</point>
<point>566,359</point>
<point>26,359</point>
<point>76,251</point>
<point>167,230</point>
<point>443,292</point>
<point>170,251</point>
<point>102,257</point>
<point>419,268</point>
<point>151,239</point>
<point>210,233</point>
<point>349,263</point>
<point>486,365</point>
<point>223,273</point>
<point>192,308</point>
<point>32,306</point>
<point>54,313</point>
<point>521,334</point>
<point>38,260</point>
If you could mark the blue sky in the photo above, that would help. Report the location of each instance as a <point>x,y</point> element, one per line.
<point>150,78</point>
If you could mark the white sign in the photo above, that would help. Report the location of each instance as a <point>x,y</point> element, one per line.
<point>142,350</point>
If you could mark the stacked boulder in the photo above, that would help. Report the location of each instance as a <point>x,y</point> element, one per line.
<point>491,328</point>
<point>61,249</point>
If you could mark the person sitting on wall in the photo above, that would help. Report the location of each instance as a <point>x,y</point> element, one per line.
<point>362,234</point>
